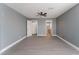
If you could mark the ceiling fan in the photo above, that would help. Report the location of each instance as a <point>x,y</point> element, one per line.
<point>42,14</point>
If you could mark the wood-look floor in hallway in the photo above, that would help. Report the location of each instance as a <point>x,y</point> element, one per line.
<point>41,46</point>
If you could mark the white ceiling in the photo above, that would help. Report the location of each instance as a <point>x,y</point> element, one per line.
<point>30,9</point>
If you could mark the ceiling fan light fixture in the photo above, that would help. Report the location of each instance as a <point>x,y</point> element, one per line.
<point>42,14</point>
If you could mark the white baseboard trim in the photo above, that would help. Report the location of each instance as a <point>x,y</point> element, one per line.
<point>41,35</point>
<point>54,35</point>
<point>11,45</point>
<point>28,36</point>
<point>46,35</point>
<point>74,46</point>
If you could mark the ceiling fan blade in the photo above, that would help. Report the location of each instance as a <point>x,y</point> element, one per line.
<point>41,13</point>
<point>45,13</point>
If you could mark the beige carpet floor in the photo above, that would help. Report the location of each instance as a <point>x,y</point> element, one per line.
<point>41,46</point>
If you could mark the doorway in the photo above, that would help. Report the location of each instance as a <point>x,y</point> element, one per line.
<point>49,28</point>
<point>34,27</point>
<point>31,27</point>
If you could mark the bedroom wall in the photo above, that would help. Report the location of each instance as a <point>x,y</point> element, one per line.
<point>12,26</point>
<point>68,25</point>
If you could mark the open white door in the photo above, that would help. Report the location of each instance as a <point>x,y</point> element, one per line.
<point>34,27</point>
<point>29,28</point>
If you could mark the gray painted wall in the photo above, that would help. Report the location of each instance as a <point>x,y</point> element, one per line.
<point>12,26</point>
<point>41,28</point>
<point>1,24</point>
<point>0,30</point>
<point>0,36</point>
<point>68,25</point>
<point>54,26</point>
